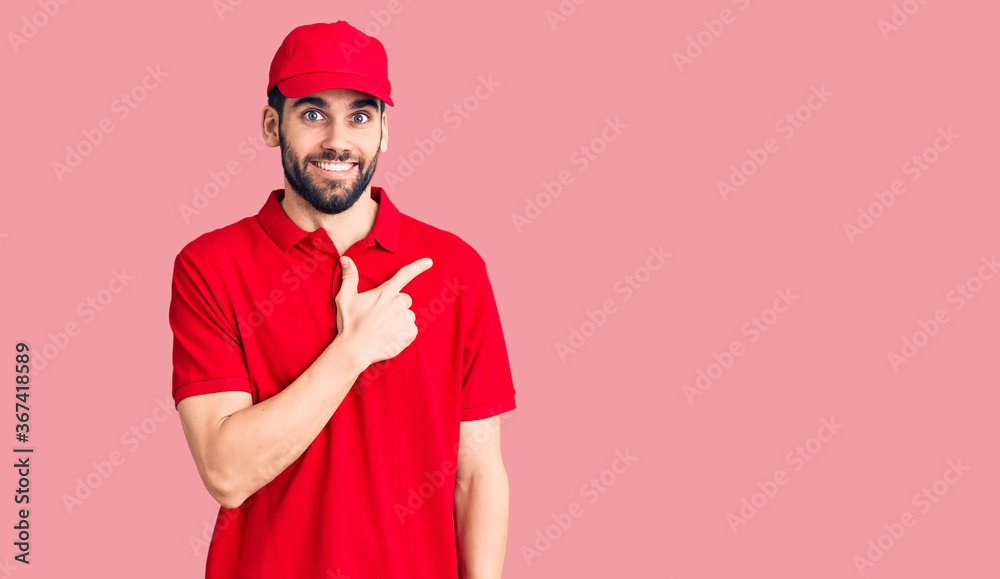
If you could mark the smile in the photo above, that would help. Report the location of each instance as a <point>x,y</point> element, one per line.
<point>334,169</point>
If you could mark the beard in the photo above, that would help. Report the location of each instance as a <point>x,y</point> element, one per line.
<point>331,196</point>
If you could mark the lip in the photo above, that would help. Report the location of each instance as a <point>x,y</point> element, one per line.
<point>334,174</point>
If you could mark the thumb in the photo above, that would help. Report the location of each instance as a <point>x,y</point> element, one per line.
<point>349,275</point>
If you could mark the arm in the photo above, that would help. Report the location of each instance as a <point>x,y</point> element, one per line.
<point>482,500</point>
<point>239,447</point>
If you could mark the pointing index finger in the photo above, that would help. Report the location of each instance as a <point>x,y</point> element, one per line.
<point>406,274</point>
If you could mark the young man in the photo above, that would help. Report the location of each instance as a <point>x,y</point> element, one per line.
<point>348,428</point>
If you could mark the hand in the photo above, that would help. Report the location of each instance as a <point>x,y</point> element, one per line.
<point>378,322</point>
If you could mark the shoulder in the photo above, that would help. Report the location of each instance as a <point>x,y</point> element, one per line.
<point>229,243</point>
<point>446,245</point>
<point>458,266</point>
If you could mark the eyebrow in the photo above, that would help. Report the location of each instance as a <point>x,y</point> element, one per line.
<point>323,104</point>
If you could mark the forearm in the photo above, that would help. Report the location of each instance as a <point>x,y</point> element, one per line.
<point>255,444</point>
<point>482,508</point>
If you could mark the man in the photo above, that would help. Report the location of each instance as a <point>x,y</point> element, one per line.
<point>347,428</point>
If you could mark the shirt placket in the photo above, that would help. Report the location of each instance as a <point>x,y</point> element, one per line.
<point>324,248</point>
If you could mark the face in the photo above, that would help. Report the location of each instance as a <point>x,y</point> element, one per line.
<point>330,142</point>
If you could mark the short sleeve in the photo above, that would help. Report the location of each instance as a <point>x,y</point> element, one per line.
<point>487,385</point>
<point>207,354</point>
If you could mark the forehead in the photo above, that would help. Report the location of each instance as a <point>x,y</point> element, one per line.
<point>336,98</point>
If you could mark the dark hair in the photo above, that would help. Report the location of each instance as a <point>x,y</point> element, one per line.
<point>277,100</point>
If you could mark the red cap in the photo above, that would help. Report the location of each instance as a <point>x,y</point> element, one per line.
<point>324,56</point>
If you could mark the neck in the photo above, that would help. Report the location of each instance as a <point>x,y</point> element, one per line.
<point>345,228</point>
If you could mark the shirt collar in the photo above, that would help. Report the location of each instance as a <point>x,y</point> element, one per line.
<point>286,234</point>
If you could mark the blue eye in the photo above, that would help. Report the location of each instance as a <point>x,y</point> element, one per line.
<point>307,113</point>
<point>356,115</point>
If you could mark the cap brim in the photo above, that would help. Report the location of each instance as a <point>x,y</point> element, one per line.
<point>304,84</point>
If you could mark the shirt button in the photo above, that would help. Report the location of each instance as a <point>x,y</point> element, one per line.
<point>317,242</point>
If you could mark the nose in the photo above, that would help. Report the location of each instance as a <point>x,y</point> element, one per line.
<point>335,138</point>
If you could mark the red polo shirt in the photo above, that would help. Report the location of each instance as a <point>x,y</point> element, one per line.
<point>252,307</point>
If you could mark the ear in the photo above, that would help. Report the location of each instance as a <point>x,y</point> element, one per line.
<point>383,145</point>
<point>269,126</point>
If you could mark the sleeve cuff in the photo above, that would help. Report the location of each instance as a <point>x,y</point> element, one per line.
<point>211,385</point>
<point>487,410</point>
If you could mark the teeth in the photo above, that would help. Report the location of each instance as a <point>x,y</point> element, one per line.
<point>334,166</point>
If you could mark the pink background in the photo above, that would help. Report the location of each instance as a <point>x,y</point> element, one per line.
<point>826,356</point>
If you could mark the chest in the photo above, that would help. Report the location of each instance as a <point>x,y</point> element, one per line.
<point>287,319</point>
